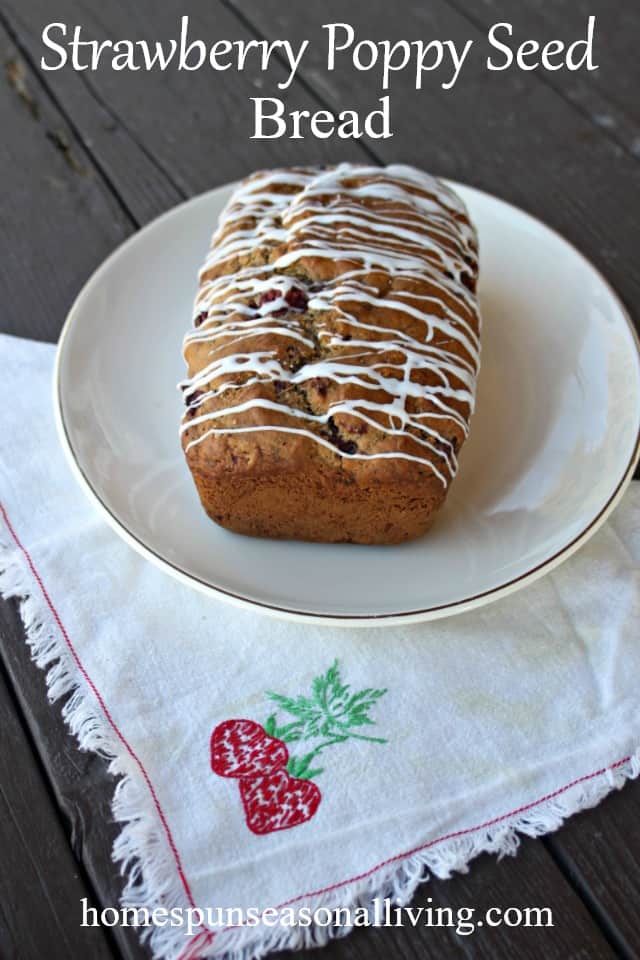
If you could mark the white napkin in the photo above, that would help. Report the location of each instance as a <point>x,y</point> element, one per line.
<point>442,740</point>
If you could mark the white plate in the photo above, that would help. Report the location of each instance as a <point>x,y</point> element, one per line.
<point>553,443</point>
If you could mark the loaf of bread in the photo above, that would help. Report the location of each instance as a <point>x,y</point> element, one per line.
<point>333,358</point>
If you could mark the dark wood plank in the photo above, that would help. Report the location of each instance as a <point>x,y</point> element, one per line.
<point>58,217</point>
<point>164,136</point>
<point>41,883</point>
<point>600,852</point>
<point>63,219</point>
<point>526,881</point>
<point>147,191</point>
<point>509,133</point>
<point>607,96</point>
<point>83,791</point>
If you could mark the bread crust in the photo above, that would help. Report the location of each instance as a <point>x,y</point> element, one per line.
<point>334,354</point>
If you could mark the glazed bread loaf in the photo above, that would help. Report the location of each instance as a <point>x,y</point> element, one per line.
<point>333,358</point>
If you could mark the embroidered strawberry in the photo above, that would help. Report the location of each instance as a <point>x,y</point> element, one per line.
<point>241,748</point>
<point>276,789</point>
<point>278,801</point>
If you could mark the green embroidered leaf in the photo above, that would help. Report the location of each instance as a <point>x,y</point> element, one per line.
<point>287,703</point>
<point>357,720</point>
<point>301,707</point>
<point>299,767</point>
<point>270,725</point>
<point>289,732</point>
<point>331,712</point>
<point>328,689</point>
<point>305,761</point>
<point>310,774</point>
<point>369,697</point>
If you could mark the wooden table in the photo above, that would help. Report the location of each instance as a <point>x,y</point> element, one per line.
<point>88,157</point>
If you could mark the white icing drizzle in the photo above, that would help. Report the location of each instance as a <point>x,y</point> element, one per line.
<point>421,239</point>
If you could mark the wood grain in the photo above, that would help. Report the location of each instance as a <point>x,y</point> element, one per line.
<point>526,881</point>
<point>608,96</point>
<point>41,883</point>
<point>179,133</point>
<point>600,853</point>
<point>82,789</point>
<point>58,217</point>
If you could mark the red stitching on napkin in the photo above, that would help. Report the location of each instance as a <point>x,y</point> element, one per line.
<point>206,934</point>
<point>457,833</point>
<point>103,705</point>
<point>192,949</point>
<point>446,836</point>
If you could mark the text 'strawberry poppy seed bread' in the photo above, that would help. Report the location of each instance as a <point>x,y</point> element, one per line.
<point>334,353</point>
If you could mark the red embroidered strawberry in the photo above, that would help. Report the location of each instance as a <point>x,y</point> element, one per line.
<point>278,801</point>
<point>277,790</point>
<point>241,748</point>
